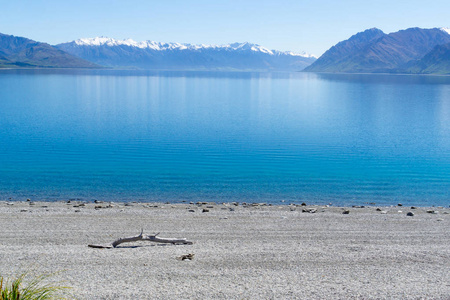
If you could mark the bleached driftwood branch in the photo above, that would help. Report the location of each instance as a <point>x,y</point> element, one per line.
<point>142,237</point>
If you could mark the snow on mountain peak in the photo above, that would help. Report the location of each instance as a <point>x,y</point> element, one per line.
<point>246,46</point>
<point>447,30</point>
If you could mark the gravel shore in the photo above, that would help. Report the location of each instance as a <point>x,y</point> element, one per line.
<point>240,251</point>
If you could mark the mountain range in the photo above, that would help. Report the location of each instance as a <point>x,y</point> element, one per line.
<point>153,55</point>
<point>410,51</point>
<point>414,50</point>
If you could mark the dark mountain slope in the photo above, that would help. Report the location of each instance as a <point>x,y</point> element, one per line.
<point>23,52</point>
<point>436,61</point>
<point>340,55</point>
<point>386,54</point>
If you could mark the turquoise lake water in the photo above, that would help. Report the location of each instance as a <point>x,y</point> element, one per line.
<point>208,136</point>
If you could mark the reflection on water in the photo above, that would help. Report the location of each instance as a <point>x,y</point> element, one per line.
<point>223,136</point>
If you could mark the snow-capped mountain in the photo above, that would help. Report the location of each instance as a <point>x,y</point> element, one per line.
<point>447,30</point>
<point>128,53</point>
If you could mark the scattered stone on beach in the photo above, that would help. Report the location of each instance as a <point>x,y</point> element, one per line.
<point>346,212</point>
<point>23,210</point>
<point>303,204</point>
<point>383,212</point>
<point>32,203</point>
<point>309,210</point>
<point>432,212</point>
<point>399,204</point>
<point>28,200</point>
<point>205,210</point>
<point>231,209</point>
<point>189,256</point>
<point>410,214</point>
<point>413,207</point>
<point>378,209</point>
<point>191,210</point>
<point>358,206</point>
<point>128,204</point>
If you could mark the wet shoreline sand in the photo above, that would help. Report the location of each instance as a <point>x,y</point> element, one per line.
<point>254,251</point>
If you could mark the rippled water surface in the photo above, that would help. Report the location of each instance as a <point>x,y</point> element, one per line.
<point>254,137</point>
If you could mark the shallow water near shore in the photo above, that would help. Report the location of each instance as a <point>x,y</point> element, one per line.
<point>218,136</point>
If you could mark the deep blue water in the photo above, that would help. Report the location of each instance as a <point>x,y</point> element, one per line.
<point>196,136</point>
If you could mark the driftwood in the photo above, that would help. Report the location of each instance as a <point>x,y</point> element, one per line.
<point>142,237</point>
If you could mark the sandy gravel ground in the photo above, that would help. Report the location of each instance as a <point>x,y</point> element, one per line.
<point>241,252</point>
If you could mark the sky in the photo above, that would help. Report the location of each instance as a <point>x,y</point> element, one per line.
<point>312,26</point>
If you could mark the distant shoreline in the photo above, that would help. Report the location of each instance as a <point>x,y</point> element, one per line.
<point>221,70</point>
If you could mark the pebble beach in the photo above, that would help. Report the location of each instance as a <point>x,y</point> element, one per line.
<point>238,250</point>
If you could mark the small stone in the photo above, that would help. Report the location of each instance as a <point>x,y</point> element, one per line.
<point>309,210</point>
<point>231,209</point>
<point>346,212</point>
<point>410,214</point>
<point>399,204</point>
<point>378,209</point>
<point>440,220</point>
<point>191,210</point>
<point>413,207</point>
<point>303,204</point>
<point>431,211</point>
<point>28,200</point>
<point>24,210</point>
<point>205,210</point>
<point>383,212</point>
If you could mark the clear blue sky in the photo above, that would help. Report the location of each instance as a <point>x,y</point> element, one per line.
<point>309,25</point>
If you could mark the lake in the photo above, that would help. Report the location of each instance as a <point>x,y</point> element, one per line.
<point>223,136</point>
